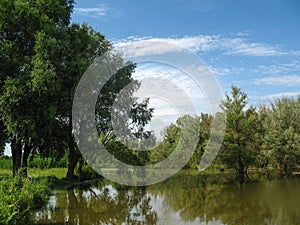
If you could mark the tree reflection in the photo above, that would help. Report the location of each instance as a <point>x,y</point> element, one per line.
<point>102,205</point>
<point>234,204</point>
<point>182,199</point>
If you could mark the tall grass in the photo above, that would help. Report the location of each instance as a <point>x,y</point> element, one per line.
<point>20,198</point>
<point>59,173</point>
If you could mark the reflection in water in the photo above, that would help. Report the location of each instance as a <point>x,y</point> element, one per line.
<point>180,200</point>
<point>104,205</point>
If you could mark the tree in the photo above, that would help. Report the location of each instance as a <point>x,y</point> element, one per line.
<point>186,135</point>
<point>167,146</point>
<point>120,118</point>
<point>43,57</point>
<point>242,138</point>
<point>24,77</point>
<point>205,121</point>
<point>81,46</point>
<point>282,136</point>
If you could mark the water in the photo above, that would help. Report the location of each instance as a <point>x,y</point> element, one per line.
<point>180,200</point>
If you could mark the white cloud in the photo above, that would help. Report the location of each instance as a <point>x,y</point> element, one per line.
<point>95,12</point>
<point>279,95</point>
<point>172,93</point>
<point>219,71</point>
<point>206,43</point>
<point>286,80</point>
<point>277,69</point>
<point>239,46</point>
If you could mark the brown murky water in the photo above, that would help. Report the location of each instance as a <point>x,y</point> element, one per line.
<point>180,200</point>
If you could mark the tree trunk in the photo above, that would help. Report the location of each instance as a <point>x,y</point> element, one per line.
<point>80,165</point>
<point>246,173</point>
<point>74,157</point>
<point>241,171</point>
<point>16,150</point>
<point>74,154</point>
<point>26,153</point>
<point>266,168</point>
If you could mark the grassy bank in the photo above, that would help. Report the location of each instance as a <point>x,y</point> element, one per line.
<point>20,198</point>
<point>60,173</point>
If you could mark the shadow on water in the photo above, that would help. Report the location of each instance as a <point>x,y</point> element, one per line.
<point>179,200</point>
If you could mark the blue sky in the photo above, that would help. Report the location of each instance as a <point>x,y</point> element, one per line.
<point>253,44</point>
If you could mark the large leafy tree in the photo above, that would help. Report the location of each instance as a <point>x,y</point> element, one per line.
<point>23,111</point>
<point>120,118</point>
<point>43,57</point>
<point>242,138</point>
<point>282,138</point>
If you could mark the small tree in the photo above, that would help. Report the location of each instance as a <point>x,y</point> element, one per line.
<point>242,137</point>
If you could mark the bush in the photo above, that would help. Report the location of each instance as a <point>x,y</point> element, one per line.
<point>5,162</point>
<point>36,162</point>
<point>39,162</point>
<point>88,173</point>
<point>20,198</point>
<point>47,162</point>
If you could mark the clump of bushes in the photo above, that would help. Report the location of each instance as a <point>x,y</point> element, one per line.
<point>47,162</point>
<point>5,162</point>
<point>36,162</point>
<point>20,198</point>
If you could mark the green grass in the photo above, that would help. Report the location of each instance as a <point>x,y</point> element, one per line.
<point>60,173</point>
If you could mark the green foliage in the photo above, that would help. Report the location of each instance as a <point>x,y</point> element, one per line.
<point>36,162</point>
<point>87,173</point>
<point>282,138</point>
<point>242,139</point>
<point>183,137</point>
<point>42,59</point>
<point>47,162</point>
<point>28,79</point>
<point>19,198</point>
<point>5,162</point>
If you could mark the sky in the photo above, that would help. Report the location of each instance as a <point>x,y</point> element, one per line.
<point>254,45</point>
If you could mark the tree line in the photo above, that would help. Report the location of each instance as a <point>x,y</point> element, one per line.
<point>266,136</point>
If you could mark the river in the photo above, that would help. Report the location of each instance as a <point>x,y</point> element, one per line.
<point>179,200</point>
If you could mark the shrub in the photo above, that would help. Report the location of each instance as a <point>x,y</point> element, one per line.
<point>19,198</point>
<point>5,162</point>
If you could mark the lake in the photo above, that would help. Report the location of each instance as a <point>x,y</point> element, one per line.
<point>179,200</point>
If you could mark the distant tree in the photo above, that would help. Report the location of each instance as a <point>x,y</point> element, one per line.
<point>282,138</point>
<point>182,136</point>
<point>242,138</point>
<point>167,146</point>
<point>205,121</point>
